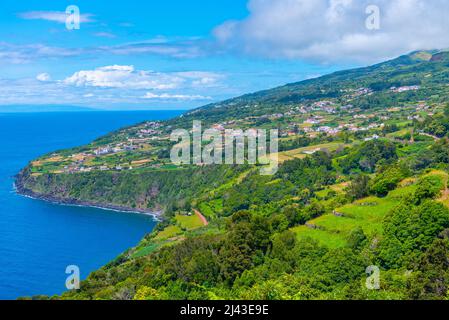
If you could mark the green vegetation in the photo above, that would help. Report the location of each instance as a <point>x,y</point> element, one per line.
<point>168,233</point>
<point>363,181</point>
<point>189,222</point>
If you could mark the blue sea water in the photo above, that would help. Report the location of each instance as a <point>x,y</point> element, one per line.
<point>38,240</point>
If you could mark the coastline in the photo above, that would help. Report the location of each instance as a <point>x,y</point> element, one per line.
<point>21,191</point>
<point>26,220</point>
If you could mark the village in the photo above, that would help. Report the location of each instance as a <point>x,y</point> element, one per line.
<point>141,147</point>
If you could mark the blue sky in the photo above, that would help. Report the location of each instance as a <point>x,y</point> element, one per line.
<point>178,54</point>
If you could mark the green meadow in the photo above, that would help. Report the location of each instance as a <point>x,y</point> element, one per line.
<point>333,229</point>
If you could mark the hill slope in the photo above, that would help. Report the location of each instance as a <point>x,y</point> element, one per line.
<point>362,181</point>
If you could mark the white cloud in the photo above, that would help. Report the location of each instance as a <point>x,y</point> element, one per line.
<point>182,97</point>
<point>54,16</point>
<point>122,77</point>
<point>20,54</point>
<point>335,30</point>
<point>32,91</point>
<point>43,77</point>
<point>115,85</point>
<point>158,46</point>
<point>117,76</point>
<point>201,79</point>
<point>26,53</point>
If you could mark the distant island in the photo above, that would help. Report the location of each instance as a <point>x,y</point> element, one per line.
<point>42,108</point>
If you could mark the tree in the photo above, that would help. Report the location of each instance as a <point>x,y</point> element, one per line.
<point>409,230</point>
<point>359,187</point>
<point>357,239</point>
<point>387,180</point>
<point>248,236</point>
<point>283,244</point>
<point>291,212</point>
<point>367,156</point>
<point>432,279</point>
<point>427,188</point>
<point>440,151</point>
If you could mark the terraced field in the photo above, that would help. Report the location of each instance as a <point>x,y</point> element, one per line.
<point>189,222</point>
<point>170,235</point>
<point>301,153</point>
<point>332,230</point>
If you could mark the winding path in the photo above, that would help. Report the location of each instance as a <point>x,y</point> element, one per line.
<point>430,136</point>
<point>203,218</point>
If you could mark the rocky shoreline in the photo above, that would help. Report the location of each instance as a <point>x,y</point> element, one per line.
<point>23,191</point>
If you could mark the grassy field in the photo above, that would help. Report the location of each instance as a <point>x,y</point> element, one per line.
<point>367,213</point>
<point>146,250</point>
<point>302,152</point>
<point>170,235</point>
<point>169,232</point>
<point>189,222</point>
<point>325,238</point>
<point>183,223</point>
<point>333,230</point>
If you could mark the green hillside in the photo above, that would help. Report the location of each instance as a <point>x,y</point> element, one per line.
<point>362,181</point>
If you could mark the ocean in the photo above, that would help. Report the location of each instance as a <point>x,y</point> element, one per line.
<point>38,240</point>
